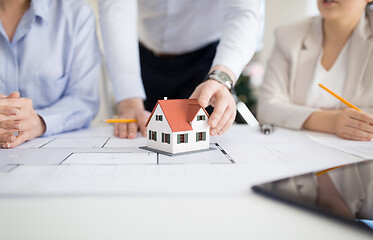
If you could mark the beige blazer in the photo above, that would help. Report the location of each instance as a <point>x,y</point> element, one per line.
<point>291,68</point>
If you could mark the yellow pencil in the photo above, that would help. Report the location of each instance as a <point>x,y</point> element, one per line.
<point>327,170</point>
<point>117,120</point>
<point>340,98</point>
<point>348,104</point>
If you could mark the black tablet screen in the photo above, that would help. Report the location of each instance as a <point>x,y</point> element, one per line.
<point>344,193</point>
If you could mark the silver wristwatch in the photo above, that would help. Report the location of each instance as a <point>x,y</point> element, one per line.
<point>221,77</point>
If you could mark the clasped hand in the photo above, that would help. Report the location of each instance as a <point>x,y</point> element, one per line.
<point>19,122</point>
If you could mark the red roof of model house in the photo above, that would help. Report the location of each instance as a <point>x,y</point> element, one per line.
<point>178,112</point>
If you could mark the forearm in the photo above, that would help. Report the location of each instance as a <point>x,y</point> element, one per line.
<point>345,123</point>
<point>322,121</point>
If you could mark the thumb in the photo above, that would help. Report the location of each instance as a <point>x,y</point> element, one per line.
<point>205,96</point>
<point>142,118</point>
<point>202,96</point>
<point>14,95</point>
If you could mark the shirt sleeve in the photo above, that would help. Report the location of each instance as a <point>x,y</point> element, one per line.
<point>118,20</point>
<point>275,104</point>
<point>80,101</point>
<point>241,22</point>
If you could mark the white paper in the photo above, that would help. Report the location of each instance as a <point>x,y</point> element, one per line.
<point>79,142</point>
<point>285,147</point>
<point>358,148</point>
<point>93,132</point>
<point>107,158</point>
<point>34,156</point>
<point>36,142</point>
<point>128,143</point>
<point>212,155</point>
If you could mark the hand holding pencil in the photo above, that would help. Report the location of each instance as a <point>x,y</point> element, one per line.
<point>131,118</point>
<point>127,126</point>
<point>352,123</point>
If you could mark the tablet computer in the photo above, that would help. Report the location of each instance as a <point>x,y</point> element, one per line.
<point>344,193</point>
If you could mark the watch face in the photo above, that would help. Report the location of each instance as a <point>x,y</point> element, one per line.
<point>224,76</point>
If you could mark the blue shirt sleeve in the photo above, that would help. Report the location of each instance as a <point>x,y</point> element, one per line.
<point>80,101</point>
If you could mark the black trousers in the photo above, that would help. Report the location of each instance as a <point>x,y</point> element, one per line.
<point>174,77</point>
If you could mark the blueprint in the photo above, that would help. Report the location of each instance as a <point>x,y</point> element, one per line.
<point>94,162</point>
<point>94,148</point>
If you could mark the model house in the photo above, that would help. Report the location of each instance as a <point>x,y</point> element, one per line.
<point>178,125</point>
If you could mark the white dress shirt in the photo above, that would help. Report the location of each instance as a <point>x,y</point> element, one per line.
<point>334,79</point>
<point>175,27</point>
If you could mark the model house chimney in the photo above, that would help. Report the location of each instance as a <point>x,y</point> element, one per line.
<point>165,98</point>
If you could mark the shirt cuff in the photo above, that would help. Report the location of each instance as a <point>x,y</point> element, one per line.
<point>297,118</point>
<point>52,120</point>
<point>233,62</point>
<point>284,114</point>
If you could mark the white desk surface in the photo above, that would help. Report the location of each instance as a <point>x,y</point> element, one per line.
<point>249,217</point>
<point>167,215</point>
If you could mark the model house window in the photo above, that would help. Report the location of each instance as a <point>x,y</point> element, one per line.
<point>200,136</point>
<point>166,138</point>
<point>152,135</point>
<point>158,118</point>
<point>201,118</point>
<point>182,138</point>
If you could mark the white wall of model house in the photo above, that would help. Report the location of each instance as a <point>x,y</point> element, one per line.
<point>158,127</point>
<point>193,144</point>
<point>163,126</point>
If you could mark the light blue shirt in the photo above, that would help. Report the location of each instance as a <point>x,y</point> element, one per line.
<point>54,60</point>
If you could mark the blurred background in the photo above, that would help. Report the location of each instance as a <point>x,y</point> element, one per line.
<point>275,13</point>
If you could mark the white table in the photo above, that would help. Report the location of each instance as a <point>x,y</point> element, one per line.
<point>247,217</point>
